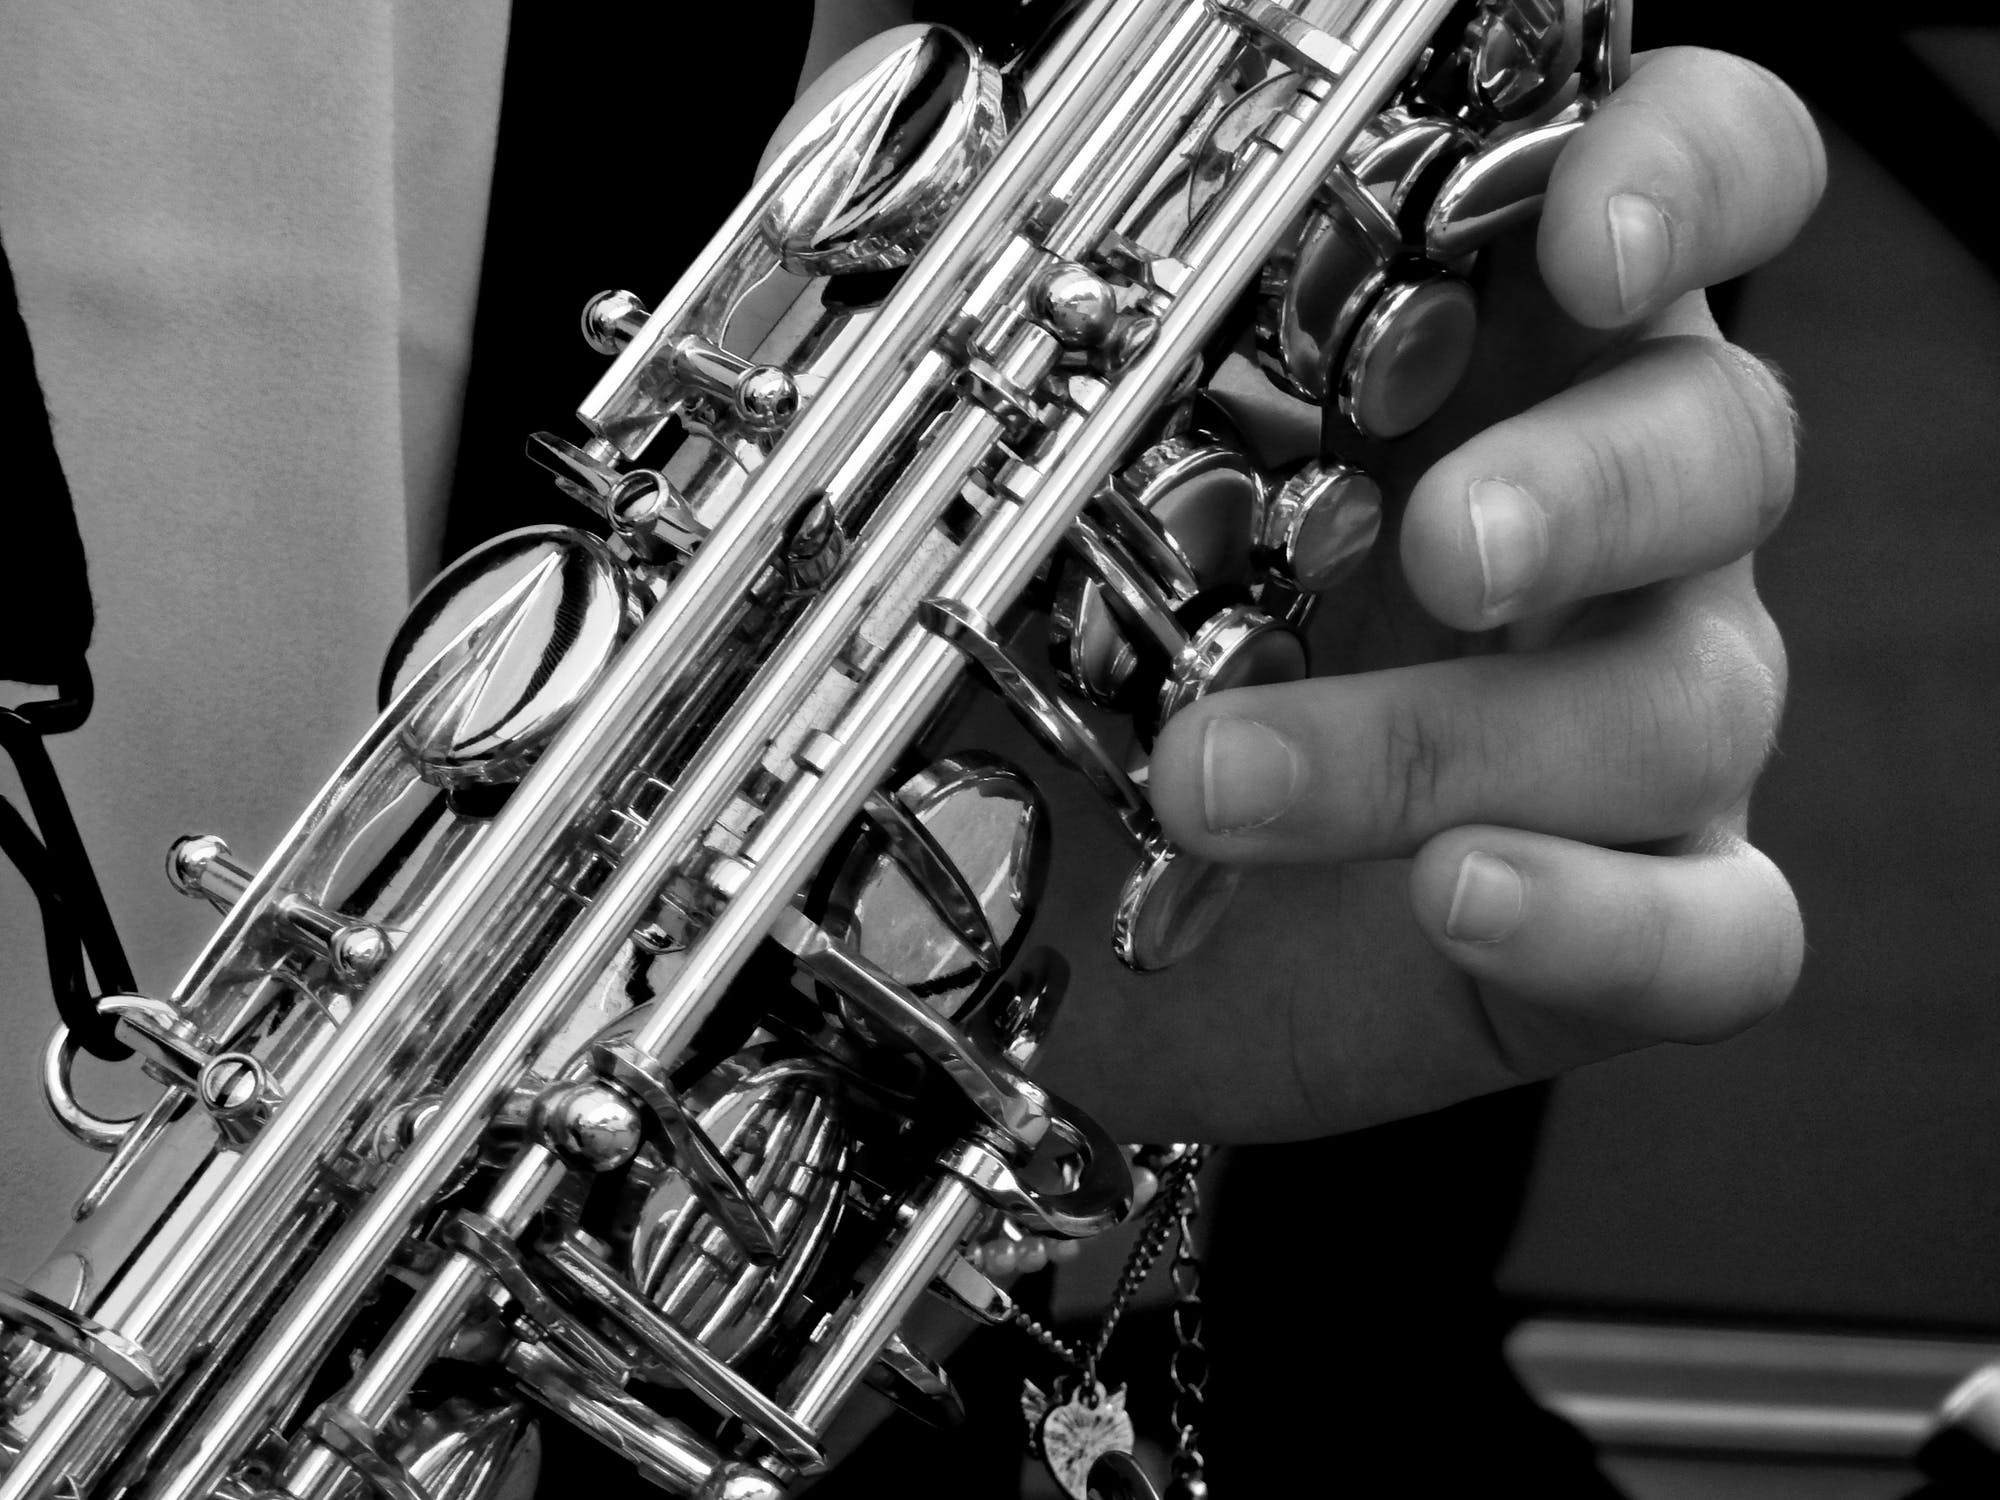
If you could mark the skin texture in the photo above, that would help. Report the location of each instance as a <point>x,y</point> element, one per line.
<point>1593,725</point>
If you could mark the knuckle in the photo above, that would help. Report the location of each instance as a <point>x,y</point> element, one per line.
<point>1622,521</point>
<point>1760,422</point>
<point>1411,774</point>
<point>1733,141</point>
<point>1725,121</point>
<point>1719,719</point>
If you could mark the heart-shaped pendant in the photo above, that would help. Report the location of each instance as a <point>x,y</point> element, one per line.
<point>1072,1435</point>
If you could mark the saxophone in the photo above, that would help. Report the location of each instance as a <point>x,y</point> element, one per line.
<point>639,1023</point>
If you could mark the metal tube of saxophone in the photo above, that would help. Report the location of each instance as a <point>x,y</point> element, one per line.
<point>495,885</point>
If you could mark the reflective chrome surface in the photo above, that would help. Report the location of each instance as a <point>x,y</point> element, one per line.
<point>564,610</point>
<point>649,994</point>
<point>888,136</point>
<point>1320,524</point>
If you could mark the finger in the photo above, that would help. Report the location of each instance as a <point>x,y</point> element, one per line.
<point>1699,168</point>
<point>1678,459</point>
<point>1640,732</point>
<point>1638,947</point>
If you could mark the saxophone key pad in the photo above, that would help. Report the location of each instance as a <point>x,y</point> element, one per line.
<point>1408,353</point>
<point>534,618</point>
<point>1320,525</point>
<point>1190,507</point>
<point>1240,647</point>
<point>1170,902</point>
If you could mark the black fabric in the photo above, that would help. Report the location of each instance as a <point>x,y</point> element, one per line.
<point>627,134</point>
<point>45,609</point>
<point>1870,83</point>
<point>1351,1314</point>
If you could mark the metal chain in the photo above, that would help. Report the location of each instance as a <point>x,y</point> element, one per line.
<point>1188,1368</point>
<point>1022,1319</point>
<point>1179,1200</point>
<point>1173,1216</point>
<point>1174,1186</point>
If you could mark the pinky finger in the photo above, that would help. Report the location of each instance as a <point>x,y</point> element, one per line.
<point>1638,947</point>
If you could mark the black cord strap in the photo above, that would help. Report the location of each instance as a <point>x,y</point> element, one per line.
<point>76,923</point>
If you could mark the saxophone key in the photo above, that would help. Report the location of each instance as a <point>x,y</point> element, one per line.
<point>1494,189</point>
<point>1320,525</point>
<point>1171,900</point>
<point>1076,304</point>
<point>942,883</point>
<point>533,618</point>
<point>355,949</point>
<point>881,147</point>
<point>1187,508</point>
<point>917,1383</point>
<point>201,866</point>
<point>611,320</point>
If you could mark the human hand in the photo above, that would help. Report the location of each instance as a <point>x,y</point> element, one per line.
<point>1515,831</point>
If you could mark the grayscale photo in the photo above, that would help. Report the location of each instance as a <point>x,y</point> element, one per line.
<point>999,749</point>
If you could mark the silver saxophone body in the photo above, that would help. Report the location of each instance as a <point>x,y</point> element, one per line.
<point>638,1024</point>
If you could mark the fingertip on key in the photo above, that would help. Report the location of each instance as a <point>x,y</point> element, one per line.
<point>1250,774</point>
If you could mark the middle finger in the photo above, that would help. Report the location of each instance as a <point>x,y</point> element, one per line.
<point>1636,733</point>
<point>1678,458</point>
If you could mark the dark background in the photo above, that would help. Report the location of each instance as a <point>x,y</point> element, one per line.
<point>1841,1163</point>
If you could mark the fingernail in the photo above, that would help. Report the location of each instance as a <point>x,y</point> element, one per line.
<point>1640,248</point>
<point>1249,774</point>
<point>1488,901</point>
<point>1512,536</point>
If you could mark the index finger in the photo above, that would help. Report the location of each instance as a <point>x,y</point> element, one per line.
<point>1698,168</point>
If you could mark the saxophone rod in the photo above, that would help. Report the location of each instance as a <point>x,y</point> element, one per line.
<point>914,680</point>
<point>497,875</point>
<point>921,670</point>
<point>1002,558</point>
<point>394,1367</point>
<point>707,782</point>
<point>1000,561</point>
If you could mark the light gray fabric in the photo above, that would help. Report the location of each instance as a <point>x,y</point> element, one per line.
<point>246,238</point>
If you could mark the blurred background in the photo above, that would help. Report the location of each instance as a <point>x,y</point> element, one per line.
<point>1806,1217</point>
